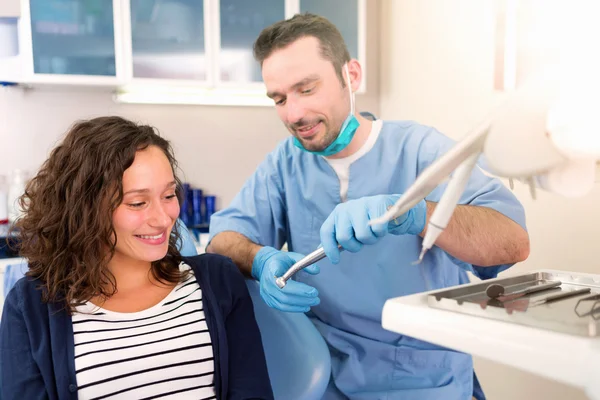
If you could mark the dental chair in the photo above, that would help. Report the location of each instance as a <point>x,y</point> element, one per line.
<point>297,356</point>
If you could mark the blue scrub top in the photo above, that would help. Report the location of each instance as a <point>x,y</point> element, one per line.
<point>289,197</point>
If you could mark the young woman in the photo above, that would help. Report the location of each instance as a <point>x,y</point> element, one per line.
<point>109,308</point>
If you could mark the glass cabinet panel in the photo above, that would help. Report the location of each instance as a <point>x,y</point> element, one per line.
<point>342,13</point>
<point>168,39</point>
<point>73,37</point>
<point>241,23</point>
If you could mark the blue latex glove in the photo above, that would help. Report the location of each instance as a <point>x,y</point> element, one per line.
<point>295,296</point>
<point>348,224</point>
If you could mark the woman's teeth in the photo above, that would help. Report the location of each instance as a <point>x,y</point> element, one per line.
<point>150,237</point>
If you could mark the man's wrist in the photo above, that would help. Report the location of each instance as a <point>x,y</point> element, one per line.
<point>259,260</point>
<point>412,222</point>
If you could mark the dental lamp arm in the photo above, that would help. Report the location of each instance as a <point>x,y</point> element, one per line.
<point>555,151</point>
<point>436,173</point>
<point>514,140</point>
<point>477,235</point>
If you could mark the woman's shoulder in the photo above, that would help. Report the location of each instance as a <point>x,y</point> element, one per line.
<point>207,260</point>
<point>214,265</point>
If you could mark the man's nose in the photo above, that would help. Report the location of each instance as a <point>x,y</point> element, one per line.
<point>295,111</point>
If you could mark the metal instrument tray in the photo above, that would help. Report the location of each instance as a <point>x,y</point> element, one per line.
<point>569,315</point>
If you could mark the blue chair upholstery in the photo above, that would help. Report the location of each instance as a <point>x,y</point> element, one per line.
<point>188,247</point>
<point>12,273</point>
<point>297,356</point>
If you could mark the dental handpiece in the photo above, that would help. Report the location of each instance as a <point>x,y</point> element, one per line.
<point>310,259</point>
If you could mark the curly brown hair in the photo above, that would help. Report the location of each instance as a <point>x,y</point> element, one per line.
<point>66,231</point>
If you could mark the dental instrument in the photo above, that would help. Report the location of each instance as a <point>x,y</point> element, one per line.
<point>497,291</point>
<point>560,296</point>
<point>310,259</point>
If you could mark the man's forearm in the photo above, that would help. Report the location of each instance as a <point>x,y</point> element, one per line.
<point>237,247</point>
<point>482,236</point>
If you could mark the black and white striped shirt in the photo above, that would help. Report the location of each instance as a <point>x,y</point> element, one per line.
<point>162,352</point>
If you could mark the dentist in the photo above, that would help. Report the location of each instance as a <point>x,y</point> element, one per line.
<point>322,185</point>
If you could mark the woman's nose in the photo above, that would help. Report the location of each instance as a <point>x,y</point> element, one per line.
<point>159,216</point>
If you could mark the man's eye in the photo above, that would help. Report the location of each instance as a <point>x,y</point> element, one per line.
<point>279,102</point>
<point>307,91</point>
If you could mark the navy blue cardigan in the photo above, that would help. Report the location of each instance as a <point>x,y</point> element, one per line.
<point>37,348</point>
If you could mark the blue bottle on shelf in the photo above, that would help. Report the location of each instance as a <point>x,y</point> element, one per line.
<point>185,213</point>
<point>197,207</point>
<point>209,207</point>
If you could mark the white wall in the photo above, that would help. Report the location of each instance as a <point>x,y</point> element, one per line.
<point>217,147</point>
<point>438,68</point>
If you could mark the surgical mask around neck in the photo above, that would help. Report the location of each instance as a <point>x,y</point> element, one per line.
<point>347,130</point>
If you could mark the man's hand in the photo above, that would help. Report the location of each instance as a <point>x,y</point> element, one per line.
<point>295,296</point>
<point>348,224</point>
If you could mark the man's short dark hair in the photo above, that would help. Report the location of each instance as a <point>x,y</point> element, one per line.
<point>283,33</point>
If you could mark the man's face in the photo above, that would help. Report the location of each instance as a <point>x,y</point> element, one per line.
<point>309,97</point>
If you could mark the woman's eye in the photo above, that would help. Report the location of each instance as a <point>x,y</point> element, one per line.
<point>172,196</point>
<point>136,205</point>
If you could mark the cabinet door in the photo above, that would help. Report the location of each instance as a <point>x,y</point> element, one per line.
<point>167,39</point>
<point>73,37</point>
<point>241,21</point>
